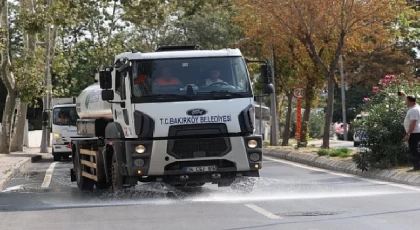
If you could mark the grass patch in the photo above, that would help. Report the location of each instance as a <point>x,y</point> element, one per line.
<point>266,144</point>
<point>341,152</point>
<point>323,152</point>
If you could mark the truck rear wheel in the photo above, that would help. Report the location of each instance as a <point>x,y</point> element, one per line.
<point>117,178</point>
<point>82,182</point>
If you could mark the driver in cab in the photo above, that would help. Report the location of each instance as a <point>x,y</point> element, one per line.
<point>214,77</point>
<point>166,79</point>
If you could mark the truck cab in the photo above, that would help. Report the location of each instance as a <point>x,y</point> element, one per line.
<point>63,126</point>
<point>183,117</point>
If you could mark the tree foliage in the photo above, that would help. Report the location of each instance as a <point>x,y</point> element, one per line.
<point>384,147</point>
<point>324,28</point>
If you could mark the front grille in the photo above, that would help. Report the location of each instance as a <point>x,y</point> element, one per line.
<point>200,147</point>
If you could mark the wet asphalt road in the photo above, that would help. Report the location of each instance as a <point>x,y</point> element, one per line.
<point>287,196</point>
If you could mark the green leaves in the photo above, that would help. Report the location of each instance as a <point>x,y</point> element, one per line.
<point>383,125</point>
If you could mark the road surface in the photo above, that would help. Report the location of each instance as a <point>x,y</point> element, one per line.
<point>287,196</point>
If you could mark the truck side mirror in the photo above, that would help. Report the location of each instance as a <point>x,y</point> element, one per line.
<point>105,79</point>
<point>268,88</point>
<point>107,95</point>
<point>267,76</point>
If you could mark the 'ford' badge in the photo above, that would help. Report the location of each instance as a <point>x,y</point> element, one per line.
<point>196,112</point>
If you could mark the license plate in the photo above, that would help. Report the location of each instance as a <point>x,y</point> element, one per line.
<point>211,168</point>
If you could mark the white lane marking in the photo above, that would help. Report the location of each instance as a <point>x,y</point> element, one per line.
<point>13,188</point>
<point>263,212</point>
<point>409,187</point>
<point>48,175</point>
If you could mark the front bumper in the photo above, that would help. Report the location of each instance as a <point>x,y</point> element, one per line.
<point>63,148</point>
<point>156,162</point>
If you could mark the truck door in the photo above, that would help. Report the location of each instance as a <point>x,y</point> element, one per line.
<point>123,110</point>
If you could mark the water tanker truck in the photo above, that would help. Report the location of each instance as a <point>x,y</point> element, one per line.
<point>179,115</point>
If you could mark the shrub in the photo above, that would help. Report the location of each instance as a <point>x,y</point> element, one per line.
<point>323,152</point>
<point>316,124</point>
<point>344,150</point>
<point>383,147</point>
<point>266,144</point>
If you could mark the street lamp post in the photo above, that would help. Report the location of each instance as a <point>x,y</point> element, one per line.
<point>343,98</point>
<point>46,102</point>
<point>274,140</point>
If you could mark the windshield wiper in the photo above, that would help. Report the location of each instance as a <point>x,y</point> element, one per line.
<point>169,96</point>
<point>223,93</point>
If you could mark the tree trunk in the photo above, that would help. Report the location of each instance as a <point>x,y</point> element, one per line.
<point>305,120</point>
<point>328,117</point>
<point>19,130</point>
<point>280,107</point>
<point>8,79</point>
<point>7,122</point>
<point>29,40</point>
<point>309,97</point>
<point>286,134</point>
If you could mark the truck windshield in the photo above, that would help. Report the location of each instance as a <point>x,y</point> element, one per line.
<point>65,116</point>
<point>189,79</point>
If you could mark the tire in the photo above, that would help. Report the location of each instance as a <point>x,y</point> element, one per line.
<point>116,177</point>
<point>56,156</point>
<point>356,144</point>
<point>102,185</point>
<point>84,184</point>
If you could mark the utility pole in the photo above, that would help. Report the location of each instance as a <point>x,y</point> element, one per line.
<point>46,103</point>
<point>260,100</point>
<point>274,140</point>
<point>343,98</point>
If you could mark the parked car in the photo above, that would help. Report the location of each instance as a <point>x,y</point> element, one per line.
<point>359,133</point>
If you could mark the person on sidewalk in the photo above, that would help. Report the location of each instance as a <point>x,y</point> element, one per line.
<point>412,129</point>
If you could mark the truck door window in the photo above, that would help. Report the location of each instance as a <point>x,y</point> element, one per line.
<point>120,88</point>
<point>118,82</point>
<point>240,76</point>
<point>140,80</point>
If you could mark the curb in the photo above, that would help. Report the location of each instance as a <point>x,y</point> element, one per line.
<point>18,169</point>
<point>388,175</point>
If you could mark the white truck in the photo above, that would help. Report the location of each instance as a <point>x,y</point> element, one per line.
<point>63,126</point>
<point>185,129</point>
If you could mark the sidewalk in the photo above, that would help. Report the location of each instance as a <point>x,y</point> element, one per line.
<point>12,164</point>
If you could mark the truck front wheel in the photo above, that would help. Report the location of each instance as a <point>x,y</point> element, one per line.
<point>117,178</point>
<point>56,156</point>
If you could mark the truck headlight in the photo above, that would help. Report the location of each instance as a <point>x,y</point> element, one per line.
<point>252,144</point>
<point>57,135</point>
<point>140,149</point>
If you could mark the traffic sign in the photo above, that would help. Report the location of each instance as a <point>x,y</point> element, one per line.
<point>298,92</point>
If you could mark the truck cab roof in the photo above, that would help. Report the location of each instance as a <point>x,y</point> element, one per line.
<point>180,54</point>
